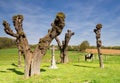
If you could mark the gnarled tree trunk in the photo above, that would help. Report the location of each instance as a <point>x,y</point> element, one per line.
<point>63,46</point>
<point>99,43</point>
<point>33,58</point>
<point>20,53</point>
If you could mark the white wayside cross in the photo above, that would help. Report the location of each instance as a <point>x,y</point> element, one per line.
<point>53,63</point>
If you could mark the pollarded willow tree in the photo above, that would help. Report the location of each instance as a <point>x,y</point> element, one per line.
<point>64,45</point>
<point>99,43</point>
<point>33,58</point>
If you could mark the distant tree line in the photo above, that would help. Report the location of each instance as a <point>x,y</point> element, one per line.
<point>111,47</point>
<point>7,42</point>
<point>10,43</point>
<point>85,45</point>
<point>106,47</point>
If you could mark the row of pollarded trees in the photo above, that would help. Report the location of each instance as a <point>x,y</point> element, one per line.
<point>33,58</point>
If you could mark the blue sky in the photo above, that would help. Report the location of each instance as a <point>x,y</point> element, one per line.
<point>81,17</point>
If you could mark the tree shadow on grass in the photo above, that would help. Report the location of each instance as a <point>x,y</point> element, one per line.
<point>19,72</point>
<point>3,71</point>
<point>84,66</point>
<point>14,64</point>
<point>42,70</point>
<point>16,71</point>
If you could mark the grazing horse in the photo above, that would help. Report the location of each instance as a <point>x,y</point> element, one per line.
<point>89,56</point>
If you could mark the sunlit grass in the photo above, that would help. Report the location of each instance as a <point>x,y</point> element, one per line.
<point>73,72</point>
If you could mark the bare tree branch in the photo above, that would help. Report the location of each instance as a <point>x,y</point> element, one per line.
<point>57,27</point>
<point>68,37</point>
<point>63,47</point>
<point>59,43</point>
<point>8,30</point>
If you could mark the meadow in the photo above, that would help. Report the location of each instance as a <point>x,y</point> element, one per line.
<point>76,71</point>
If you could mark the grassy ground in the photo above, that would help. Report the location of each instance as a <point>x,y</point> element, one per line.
<point>76,71</point>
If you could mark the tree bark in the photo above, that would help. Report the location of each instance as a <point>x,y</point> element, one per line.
<point>20,53</point>
<point>33,58</point>
<point>100,58</point>
<point>19,59</point>
<point>63,46</point>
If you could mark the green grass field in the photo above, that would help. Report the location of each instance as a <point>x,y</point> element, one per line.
<point>73,72</point>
